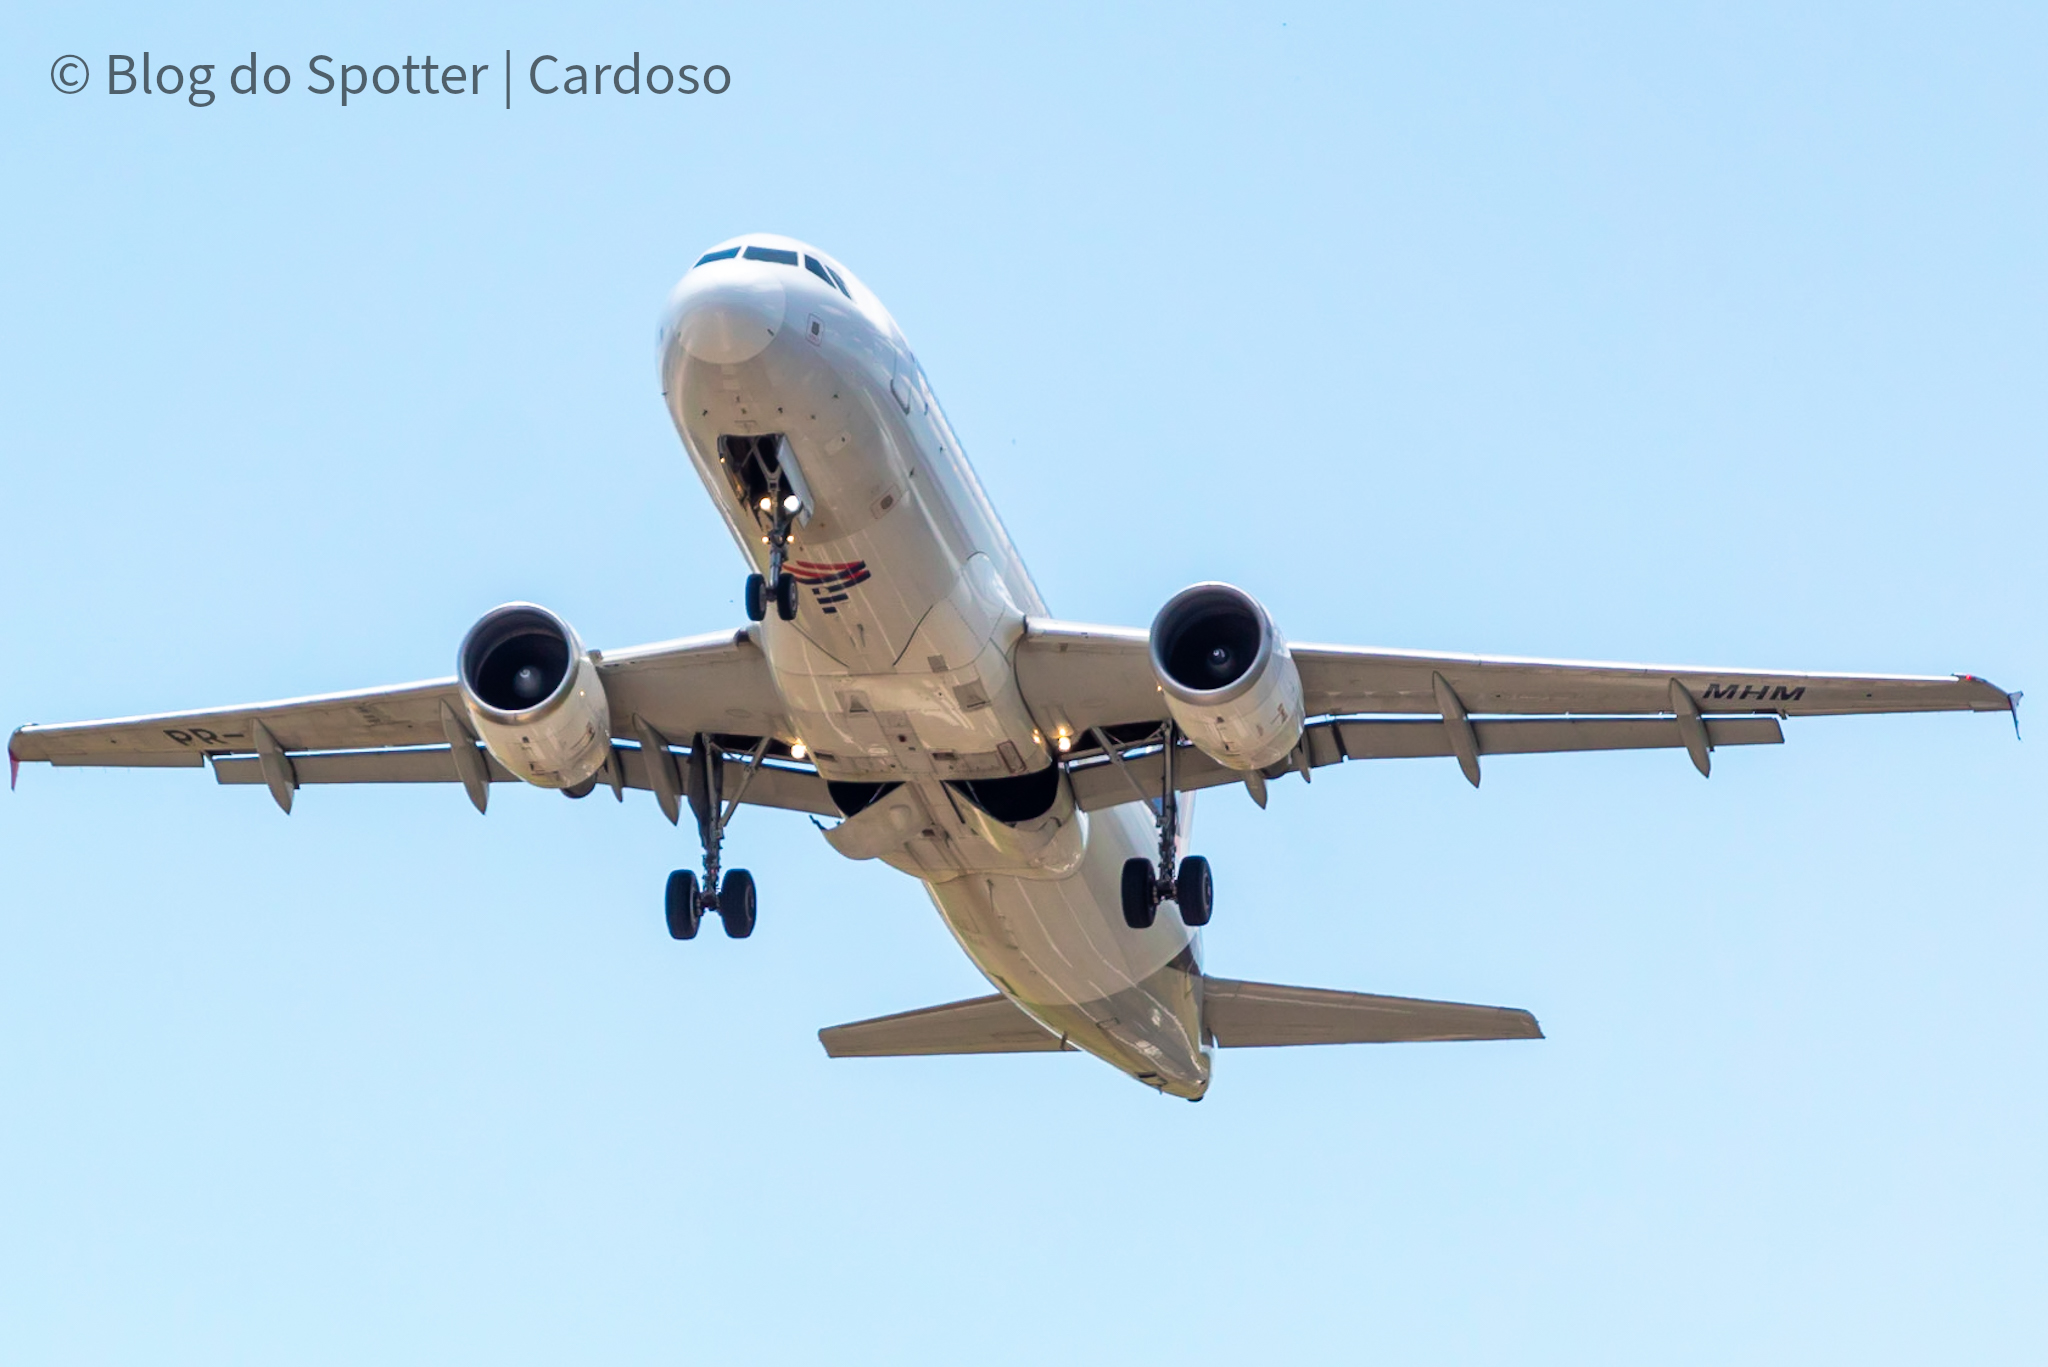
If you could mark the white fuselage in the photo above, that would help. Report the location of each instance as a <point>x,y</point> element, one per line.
<point>897,673</point>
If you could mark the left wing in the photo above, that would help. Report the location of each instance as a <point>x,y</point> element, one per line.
<point>1096,683</point>
<point>717,685</point>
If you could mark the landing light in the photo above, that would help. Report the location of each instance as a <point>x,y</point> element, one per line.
<point>791,503</point>
<point>797,750</point>
<point>1064,743</point>
<point>767,504</point>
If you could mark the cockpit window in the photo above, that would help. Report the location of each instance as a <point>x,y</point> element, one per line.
<point>824,273</point>
<point>781,256</point>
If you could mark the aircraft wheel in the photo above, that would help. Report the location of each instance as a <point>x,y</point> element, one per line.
<point>1192,889</point>
<point>736,904</point>
<point>1139,906</point>
<point>786,590</point>
<point>757,598</point>
<point>683,913</point>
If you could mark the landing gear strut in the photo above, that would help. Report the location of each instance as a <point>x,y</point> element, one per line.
<point>777,587</point>
<point>1184,882</point>
<point>732,896</point>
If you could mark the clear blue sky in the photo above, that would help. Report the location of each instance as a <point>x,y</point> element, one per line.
<point>1684,333</point>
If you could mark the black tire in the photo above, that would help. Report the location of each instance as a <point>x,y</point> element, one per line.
<point>683,915</point>
<point>736,904</point>
<point>1193,890</point>
<point>1140,906</point>
<point>757,598</point>
<point>786,590</point>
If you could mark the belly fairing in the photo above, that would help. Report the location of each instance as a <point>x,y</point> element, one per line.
<point>949,708</point>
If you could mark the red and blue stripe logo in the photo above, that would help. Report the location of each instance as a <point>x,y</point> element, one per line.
<point>828,583</point>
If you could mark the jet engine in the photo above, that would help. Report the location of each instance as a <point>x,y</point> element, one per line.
<point>1230,683</point>
<point>534,696</point>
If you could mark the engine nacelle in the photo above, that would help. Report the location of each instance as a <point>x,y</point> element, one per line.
<point>1230,683</point>
<point>534,696</point>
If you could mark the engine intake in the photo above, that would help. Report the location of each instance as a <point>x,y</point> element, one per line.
<point>1229,680</point>
<point>534,696</point>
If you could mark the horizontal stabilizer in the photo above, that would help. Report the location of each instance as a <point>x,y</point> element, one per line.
<point>1245,1015</point>
<point>984,1025</point>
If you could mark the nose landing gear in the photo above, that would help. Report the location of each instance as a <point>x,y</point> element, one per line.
<point>777,586</point>
<point>1184,882</point>
<point>732,897</point>
<point>783,595</point>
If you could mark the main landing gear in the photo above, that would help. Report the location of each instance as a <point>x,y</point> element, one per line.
<point>777,586</point>
<point>734,904</point>
<point>1186,884</point>
<point>731,896</point>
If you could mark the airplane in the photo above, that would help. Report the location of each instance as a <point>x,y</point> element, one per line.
<point>900,677</point>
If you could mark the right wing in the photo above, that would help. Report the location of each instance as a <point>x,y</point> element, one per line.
<point>1102,676</point>
<point>1095,683</point>
<point>716,685</point>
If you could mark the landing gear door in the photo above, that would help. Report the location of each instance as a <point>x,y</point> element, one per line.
<point>793,479</point>
<point>762,470</point>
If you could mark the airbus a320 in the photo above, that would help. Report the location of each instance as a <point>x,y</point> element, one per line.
<point>901,677</point>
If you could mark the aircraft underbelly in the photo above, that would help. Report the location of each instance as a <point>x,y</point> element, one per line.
<point>1060,949</point>
<point>911,597</point>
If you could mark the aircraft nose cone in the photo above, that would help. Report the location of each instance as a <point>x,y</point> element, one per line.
<point>729,313</point>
